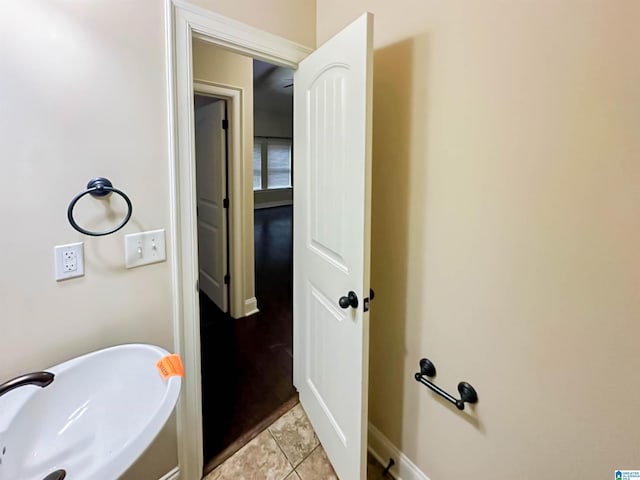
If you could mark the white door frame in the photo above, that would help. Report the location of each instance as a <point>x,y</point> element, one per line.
<point>239,305</point>
<point>184,21</point>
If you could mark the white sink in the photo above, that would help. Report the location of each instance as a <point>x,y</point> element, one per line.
<point>99,414</point>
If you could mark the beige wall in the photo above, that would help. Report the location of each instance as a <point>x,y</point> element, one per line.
<point>506,226</point>
<point>507,173</point>
<point>270,123</point>
<point>292,19</point>
<point>82,94</point>
<point>213,64</point>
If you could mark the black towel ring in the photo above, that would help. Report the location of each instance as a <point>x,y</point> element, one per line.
<point>98,188</point>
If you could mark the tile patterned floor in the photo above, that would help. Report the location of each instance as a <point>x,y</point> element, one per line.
<point>287,450</point>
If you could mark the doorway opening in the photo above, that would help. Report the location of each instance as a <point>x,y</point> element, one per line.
<point>331,224</point>
<point>246,360</point>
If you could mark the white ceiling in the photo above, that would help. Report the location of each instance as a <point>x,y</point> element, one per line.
<point>268,76</point>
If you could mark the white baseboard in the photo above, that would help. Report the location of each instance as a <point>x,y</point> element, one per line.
<point>172,475</point>
<point>382,449</point>
<point>250,306</point>
<point>279,203</point>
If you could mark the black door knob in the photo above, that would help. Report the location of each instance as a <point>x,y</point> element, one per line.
<point>351,300</point>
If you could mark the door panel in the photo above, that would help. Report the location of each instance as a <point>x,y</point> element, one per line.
<point>327,155</point>
<point>210,142</point>
<point>323,341</point>
<point>332,148</point>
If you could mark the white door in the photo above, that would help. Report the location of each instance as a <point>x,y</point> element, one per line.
<point>211,175</point>
<point>332,176</point>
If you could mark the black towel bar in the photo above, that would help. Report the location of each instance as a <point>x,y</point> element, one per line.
<point>467,392</point>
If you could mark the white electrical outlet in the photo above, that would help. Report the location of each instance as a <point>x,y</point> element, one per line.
<point>69,260</point>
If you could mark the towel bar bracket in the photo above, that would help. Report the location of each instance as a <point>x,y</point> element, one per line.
<point>467,393</point>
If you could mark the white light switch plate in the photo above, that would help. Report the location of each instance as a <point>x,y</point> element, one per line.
<point>144,248</point>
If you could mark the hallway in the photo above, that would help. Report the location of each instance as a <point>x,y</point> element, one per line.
<point>247,363</point>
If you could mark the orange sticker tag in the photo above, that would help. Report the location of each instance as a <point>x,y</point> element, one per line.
<point>170,366</point>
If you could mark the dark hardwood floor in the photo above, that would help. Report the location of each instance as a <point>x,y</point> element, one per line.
<point>247,363</point>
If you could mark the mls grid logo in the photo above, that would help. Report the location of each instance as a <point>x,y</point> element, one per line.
<point>627,475</point>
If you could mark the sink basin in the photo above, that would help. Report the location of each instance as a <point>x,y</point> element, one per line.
<point>93,421</point>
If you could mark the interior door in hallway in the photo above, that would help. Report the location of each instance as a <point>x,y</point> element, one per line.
<point>332,142</point>
<point>210,143</point>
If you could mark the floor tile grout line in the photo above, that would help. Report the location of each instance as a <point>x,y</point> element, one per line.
<point>293,468</point>
<point>274,437</point>
<point>280,446</point>
<point>307,456</point>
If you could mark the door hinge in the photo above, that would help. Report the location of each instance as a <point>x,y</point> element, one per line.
<point>368,300</point>
<point>225,124</point>
<point>197,285</point>
<point>225,203</point>
<point>227,279</point>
